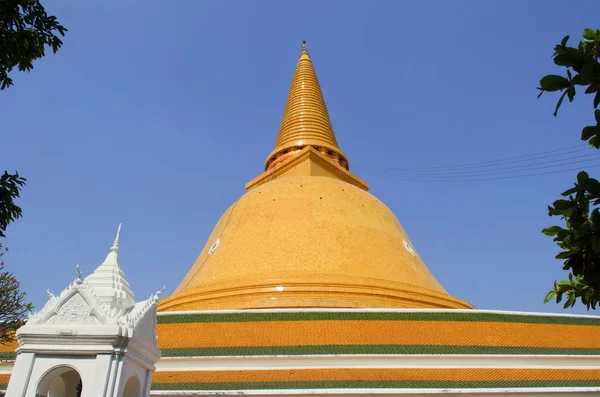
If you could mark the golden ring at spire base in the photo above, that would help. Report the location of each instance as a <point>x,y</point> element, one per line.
<point>305,119</point>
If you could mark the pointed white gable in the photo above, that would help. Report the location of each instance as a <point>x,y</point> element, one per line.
<point>76,304</point>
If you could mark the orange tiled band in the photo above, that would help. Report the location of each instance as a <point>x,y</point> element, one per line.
<point>321,374</point>
<point>391,333</point>
<point>375,332</point>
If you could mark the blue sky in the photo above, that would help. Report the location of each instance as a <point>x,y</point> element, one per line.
<point>156,114</point>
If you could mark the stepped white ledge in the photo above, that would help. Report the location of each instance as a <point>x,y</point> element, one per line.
<point>109,283</point>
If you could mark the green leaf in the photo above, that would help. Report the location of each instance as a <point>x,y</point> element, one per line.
<point>567,57</point>
<point>560,100</point>
<point>589,131</point>
<point>597,100</point>
<point>564,41</point>
<point>554,82</point>
<point>570,301</point>
<point>592,186</point>
<point>592,88</point>
<point>571,93</point>
<point>552,230</point>
<point>597,116</point>
<point>565,255</point>
<point>587,75</point>
<point>564,60</point>
<point>570,191</point>
<point>563,204</point>
<point>589,34</point>
<point>549,296</point>
<point>582,177</point>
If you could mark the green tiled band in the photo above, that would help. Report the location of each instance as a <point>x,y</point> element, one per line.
<point>373,316</point>
<point>370,349</point>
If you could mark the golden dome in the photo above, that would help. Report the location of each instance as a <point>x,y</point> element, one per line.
<point>305,119</point>
<point>308,241</point>
<point>307,233</point>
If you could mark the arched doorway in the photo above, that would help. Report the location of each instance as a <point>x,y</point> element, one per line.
<point>61,381</point>
<point>132,387</point>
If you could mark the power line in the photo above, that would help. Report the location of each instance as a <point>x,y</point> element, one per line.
<point>522,166</point>
<point>490,171</point>
<point>507,160</point>
<point>525,160</point>
<point>477,179</point>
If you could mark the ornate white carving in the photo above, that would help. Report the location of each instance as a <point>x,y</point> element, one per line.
<point>74,310</point>
<point>51,306</point>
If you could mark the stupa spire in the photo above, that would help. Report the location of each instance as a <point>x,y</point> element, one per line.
<point>305,118</point>
<point>109,281</point>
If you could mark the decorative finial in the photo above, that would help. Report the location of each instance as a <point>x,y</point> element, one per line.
<point>115,246</point>
<point>78,272</point>
<point>50,294</point>
<point>158,293</point>
<point>303,45</point>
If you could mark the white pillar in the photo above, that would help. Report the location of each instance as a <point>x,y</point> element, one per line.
<point>20,375</point>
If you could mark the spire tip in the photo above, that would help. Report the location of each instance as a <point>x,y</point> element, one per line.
<point>303,45</point>
<point>115,246</point>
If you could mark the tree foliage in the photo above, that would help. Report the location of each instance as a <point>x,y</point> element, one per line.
<point>13,306</point>
<point>12,301</point>
<point>10,185</point>
<point>25,31</point>
<point>579,239</point>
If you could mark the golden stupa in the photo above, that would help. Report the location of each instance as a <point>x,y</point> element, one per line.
<point>309,285</point>
<point>307,233</point>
